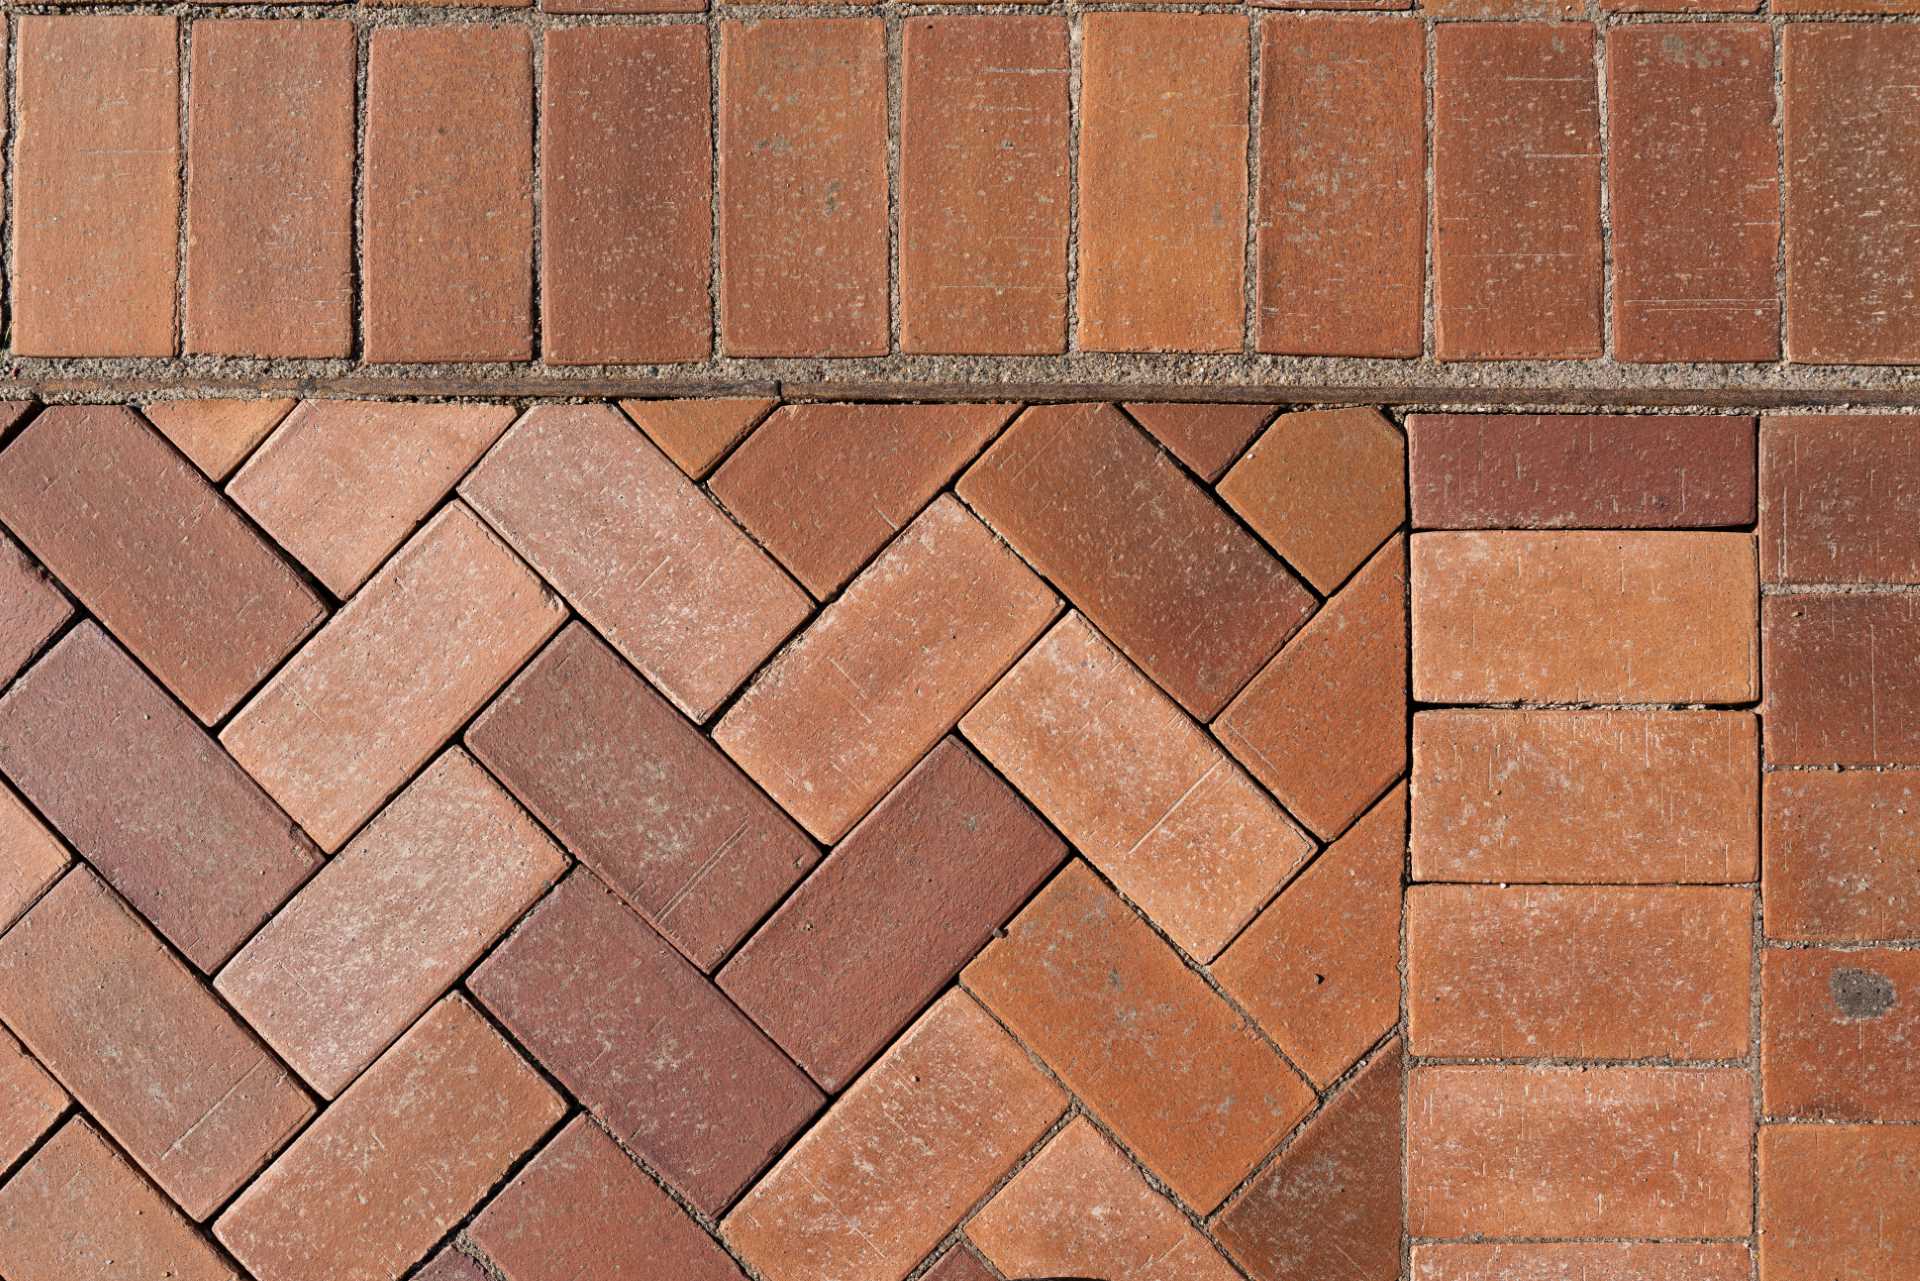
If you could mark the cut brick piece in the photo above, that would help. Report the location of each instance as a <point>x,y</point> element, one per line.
<point>1843,679</point>
<point>1838,1201</point>
<point>1694,184</point>
<point>1839,497</point>
<point>397,1160</point>
<point>216,434</point>
<point>1581,471</point>
<point>1852,112</point>
<point>1838,1034</point>
<point>1584,616</point>
<point>1137,787</point>
<point>638,550</point>
<point>1184,591</point>
<point>1080,1208</point>
<point>142,791</point>
<point>1342,234</point>
<point>803,187</point>
<point>696,433</point>
<point>1324,725</point>
<point>920,1138</point>
<point>32,609</point>
<point>582,1209</point>
<point>78,1212</point>
<point>983,185</point>
<point>1163,182</point>
<point>392,676</point>
<point>1155,1053</point>
<point>449,194</point>
<point>1206,438</point>
<point>270,188</point>
<point>144,1048</point>
<point>153,551</point>
<point>1516,214</point>
<point>342,483</point>
<point>1319,969</point>
<point>1615,1152</point>
<point>626,212</point>
<point>1839,856</point>
<point>959,1264</point>
<point>641,796</point>
<point>823,487</point>
<point>1579,972</point>
<point>1595,796</point>
<point>907,899</point>
<point>450,1265</point>
<point>1330,1205</point>
<point>645,1042</point>
<point>1572,1260</point>
<point>96,187</point>
<point>30,1102</point>
<point>844,712</point>
<point>392,923</point>
<point>31,857</point>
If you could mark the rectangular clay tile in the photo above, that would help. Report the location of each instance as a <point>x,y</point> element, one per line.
<point>1836,855</point>
<point>1839,494</point>
<point>1842,679</point>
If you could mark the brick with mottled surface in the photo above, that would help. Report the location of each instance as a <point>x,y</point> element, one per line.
<point>1842,679</point>
<point>1574,1260</point>
<point>1840,855</point>
<point>1839,500</point>
<point>30,1101</point>
<point>1838,1201</point>
<point>31,857</point>
<point>32,608</point>
<point>1839,1031</point>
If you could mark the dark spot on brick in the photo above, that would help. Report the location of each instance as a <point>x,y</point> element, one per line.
<point>1861,994</point>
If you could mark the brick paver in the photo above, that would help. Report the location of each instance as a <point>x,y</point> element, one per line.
<point>1838,1200</point>
<point>1836,867</point>
<point>217,434</point>
<point>696,433</point>
<point>32,608</point>
<point>1834,1031</point>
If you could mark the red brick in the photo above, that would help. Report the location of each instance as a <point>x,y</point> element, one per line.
<point>151,550</point>
<point>143,1046</point>
<point>1178,1076</point>
<point>1839,497</point>
<point>270,188</point>
<point>78,1212</point>
<point>803,187</point>
<point>33,858</point>
<point>1584,616</point>
<point>342,483</point>
<point>1137,787</point>
<point>1185,593</point>
<point>1843,679</point>
<point>920,1138</point>
<point>388,926</point>
<point>1615,1152</point>
<point>145,794</point>
<point>1837,1034</point>
<point>1163,182</point>
<point>626,212</point>
<point>844,712</point>
<point>983,185</point>
<point>392,676</point>
<point>32,609</point>
<point>641,797</point>
<point>903,902</point>
<point>1538,10</point>
<point>645,1042</point>
<point>1319,970</point>
<point>1516,211</point>
<point>30,1101</point>
<point>823,487</point>
<point>638,550</point>
<point>397,1160</point>
<point>96,188</point>
<point>1342,235</point>
<point>1579,972</point>
<point>450,1265</point>
<point>959,1264</point>
<point>1839,856</point>
<point>621,6</point>
<point>1852,133</point>
<point>697,433</point>
<point>1573,1260</point>
<point>449,194</point>
<point>1580,471</point>
<point>1080,1207</point>
<point>1205,437</point>
<point>1588,796</point>
<point>216,434</point>
<point>1330,1205</point>
<point>1838,1201</point>
<point>1694,187</point>
<point>583,1210</point>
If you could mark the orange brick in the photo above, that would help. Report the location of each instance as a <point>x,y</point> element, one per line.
<point>1837,1034</point>
<point>1838,1201</point>
<point>1569,1260</point>
<point>1839,856</point>
<point>1837,497</point>
<point>1843,679</point>
<point>216,434</point>
<point>30,1101</point>
<point>696,434</point>
<point>1205,437</point>
<point>1179,1077</point>
<point>34,858</point>
<point>32,609</point>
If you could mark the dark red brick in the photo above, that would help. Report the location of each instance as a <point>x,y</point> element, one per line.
<point>1205,437</point>
<point>1842,679</point>
<point>1839,500</point>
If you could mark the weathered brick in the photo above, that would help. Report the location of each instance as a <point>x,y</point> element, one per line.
<point>216,434</point>
<point>449,1264</point>
<point>959,1264</point>
<point>151,550</point>
<point>1342,217</point>
<point>1537,10</point>
<point>1137,787</point>
<point>401,1156</point>
<point>32,609</point>
<point>1595,796</point>
<point>1584,616</point>
<point>145,794</point>
<point>143,1047</point>
<point>1571,1260</point>
<point>638,550</point>
<point>1839,856</point>
<point>1838,1201</point>
<point>270,188</point>
<point>31,858</point>
<point>30,1102</point>
<point>1839,498</point>
<point>845,711</point>
<point>1179,1077</point>
<point>1205,437</point>
<point>387,927</point>
<point>697,433</point>
<point>903,1155</point>
<point>1837,1034</point>
<point>392,676</point>
<point>1842,679</point>
<point>1163,182</point>
<point>645,1042</point>
<point>1186,593</point>
<point>983,184</point>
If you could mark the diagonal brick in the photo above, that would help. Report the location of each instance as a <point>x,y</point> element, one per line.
<point>696,434</point>
<point>31,857</point>
<point>450,1265</point>
<point>959,1264</point>
<point>32,609</point>
<point>216,434</point>
<point>1205,437</point>
<point>30,1101</point>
